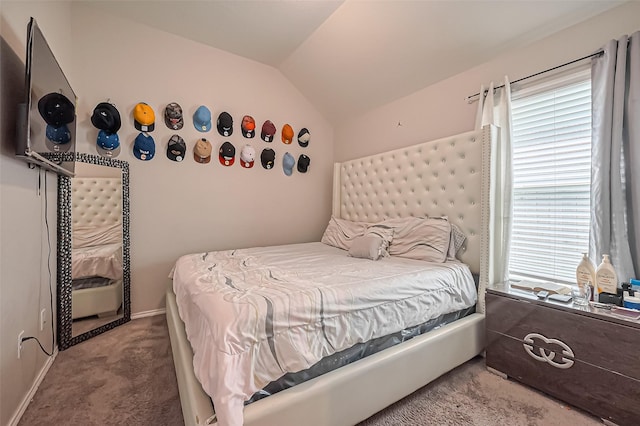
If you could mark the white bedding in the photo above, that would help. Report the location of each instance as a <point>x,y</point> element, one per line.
<point>97,261</point>
<point>252,315</point>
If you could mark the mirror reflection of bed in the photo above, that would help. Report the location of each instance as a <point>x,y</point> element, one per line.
<point>96,254</point>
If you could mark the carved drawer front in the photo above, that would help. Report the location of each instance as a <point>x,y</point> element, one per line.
<point>551,370</point>
<point>610,346</point>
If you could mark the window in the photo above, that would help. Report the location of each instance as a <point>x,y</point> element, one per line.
<point>551,178</point>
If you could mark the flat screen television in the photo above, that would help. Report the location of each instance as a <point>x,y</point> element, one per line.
<point>46,120</point>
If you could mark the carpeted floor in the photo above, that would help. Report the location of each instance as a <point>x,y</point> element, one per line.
<point>126,377</point>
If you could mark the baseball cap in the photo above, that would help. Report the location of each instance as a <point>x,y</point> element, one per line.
<point>144,147</point>
<point>227,155</point>
<point>248,126</point>
<point>202,119</point>
<point>56,110</point>
<point>287,163</point>
<point>247,156</point>
<point>225,124</point>
<point>303,163</point>
<point>106,117</point>
<point>303,137</point>
<point>144,118</point>
<point>173,116</point>
<point>268,131</point>
<point>202,151</point>
<point>59,135</point>
<point>287,134</point>
<point>176,148</point>
<point>268,158</point>
<point>108,144</point>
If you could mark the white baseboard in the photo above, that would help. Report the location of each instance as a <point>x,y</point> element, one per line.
<point>36,384</point>
<point>150,313</point>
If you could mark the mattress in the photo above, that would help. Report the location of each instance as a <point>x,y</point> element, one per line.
<point>253,315</point>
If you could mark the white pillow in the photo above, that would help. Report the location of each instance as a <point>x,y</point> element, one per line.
<point>341,233</point>
<point>373,244</point>
<point>419,238</point>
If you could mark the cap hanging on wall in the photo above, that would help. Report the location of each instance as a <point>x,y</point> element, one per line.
<point>202,151</point>
<point>144,118</point>
<point>144,147</point>
<point>202,119</point>
<point>176,148</point>
<point>106,117</point>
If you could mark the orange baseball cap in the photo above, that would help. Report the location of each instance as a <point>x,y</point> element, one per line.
<point>287,134</point>
<point>144,118</point>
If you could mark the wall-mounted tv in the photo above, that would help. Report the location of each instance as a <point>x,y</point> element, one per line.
<point>47,118</point>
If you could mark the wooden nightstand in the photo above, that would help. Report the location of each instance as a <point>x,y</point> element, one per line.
<point>581,355</point>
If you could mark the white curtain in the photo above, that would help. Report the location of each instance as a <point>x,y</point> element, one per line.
<point>495,109</point>
<point>615,156</point>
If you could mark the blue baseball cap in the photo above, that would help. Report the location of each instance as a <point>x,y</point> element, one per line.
<point>108,141</point>
<point>144,147</point>
<point>287,163</point>
<point>202,119</point>
<point>59,135</point>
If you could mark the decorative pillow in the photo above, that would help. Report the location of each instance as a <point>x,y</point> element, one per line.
<point>419,238</point>
<point>341,233</point>
<point>456,242</point>
<point>373,244</point>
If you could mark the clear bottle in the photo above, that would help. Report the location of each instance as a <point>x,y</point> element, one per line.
<point>585,275</point>
<point>606,279</point>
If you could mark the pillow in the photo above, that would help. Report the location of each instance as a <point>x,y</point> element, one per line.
<point>419,238</point>
<point>456,242</point>
<point>341,233</point>
<point>373,244</point>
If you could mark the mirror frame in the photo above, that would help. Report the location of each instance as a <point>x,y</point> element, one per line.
<point>65,337</point>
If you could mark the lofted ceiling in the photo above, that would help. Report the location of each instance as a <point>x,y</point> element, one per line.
<point>348,57</point>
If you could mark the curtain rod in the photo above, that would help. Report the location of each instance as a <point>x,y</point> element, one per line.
<point>598,53</point>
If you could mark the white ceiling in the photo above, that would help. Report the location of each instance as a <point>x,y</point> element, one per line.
<point>350,56</point>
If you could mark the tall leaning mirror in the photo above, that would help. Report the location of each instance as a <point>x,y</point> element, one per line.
<point>93,249</point>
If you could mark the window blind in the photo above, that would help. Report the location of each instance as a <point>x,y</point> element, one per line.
<point>551,178</point>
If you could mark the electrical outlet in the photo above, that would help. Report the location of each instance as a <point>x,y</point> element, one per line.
<point>20,343</point>
<point>43,318</point>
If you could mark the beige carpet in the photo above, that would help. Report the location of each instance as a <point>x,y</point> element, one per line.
<point>126,377</point>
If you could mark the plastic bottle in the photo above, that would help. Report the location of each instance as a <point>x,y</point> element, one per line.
<point>606,279</point>
<point>586,276</point>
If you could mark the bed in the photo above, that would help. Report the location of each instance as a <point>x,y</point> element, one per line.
<point>96,254</point>
<point>443,178</point>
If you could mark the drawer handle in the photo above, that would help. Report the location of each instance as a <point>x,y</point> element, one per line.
<point>546,355</point>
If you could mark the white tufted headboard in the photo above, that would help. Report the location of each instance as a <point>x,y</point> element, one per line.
<point>445,177</point>
<point>96,202</point>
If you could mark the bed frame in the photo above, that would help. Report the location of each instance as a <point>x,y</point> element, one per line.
<point>446,177</point>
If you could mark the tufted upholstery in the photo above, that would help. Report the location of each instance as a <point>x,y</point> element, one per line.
<point>96,201</point>
<point>439,178</point>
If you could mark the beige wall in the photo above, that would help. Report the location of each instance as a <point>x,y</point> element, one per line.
<point>440,109</point>
<point>24,279</point>
<point>179,208</point>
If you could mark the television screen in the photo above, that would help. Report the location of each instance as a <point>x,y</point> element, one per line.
<point>48,122</point>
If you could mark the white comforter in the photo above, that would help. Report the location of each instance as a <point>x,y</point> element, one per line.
<point>252,315</point>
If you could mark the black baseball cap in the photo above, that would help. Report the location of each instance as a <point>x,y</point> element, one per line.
<point>303,163</point>
<point>106,117</point>
<point>303,137</point>
<point>225,124</point>
<point>56,109</point>
<point>268,158</point>
<point>227,154</point>
<point>176,149</point>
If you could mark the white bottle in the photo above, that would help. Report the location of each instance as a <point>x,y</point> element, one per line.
<point>585,274</point>
<point>606,279</point>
